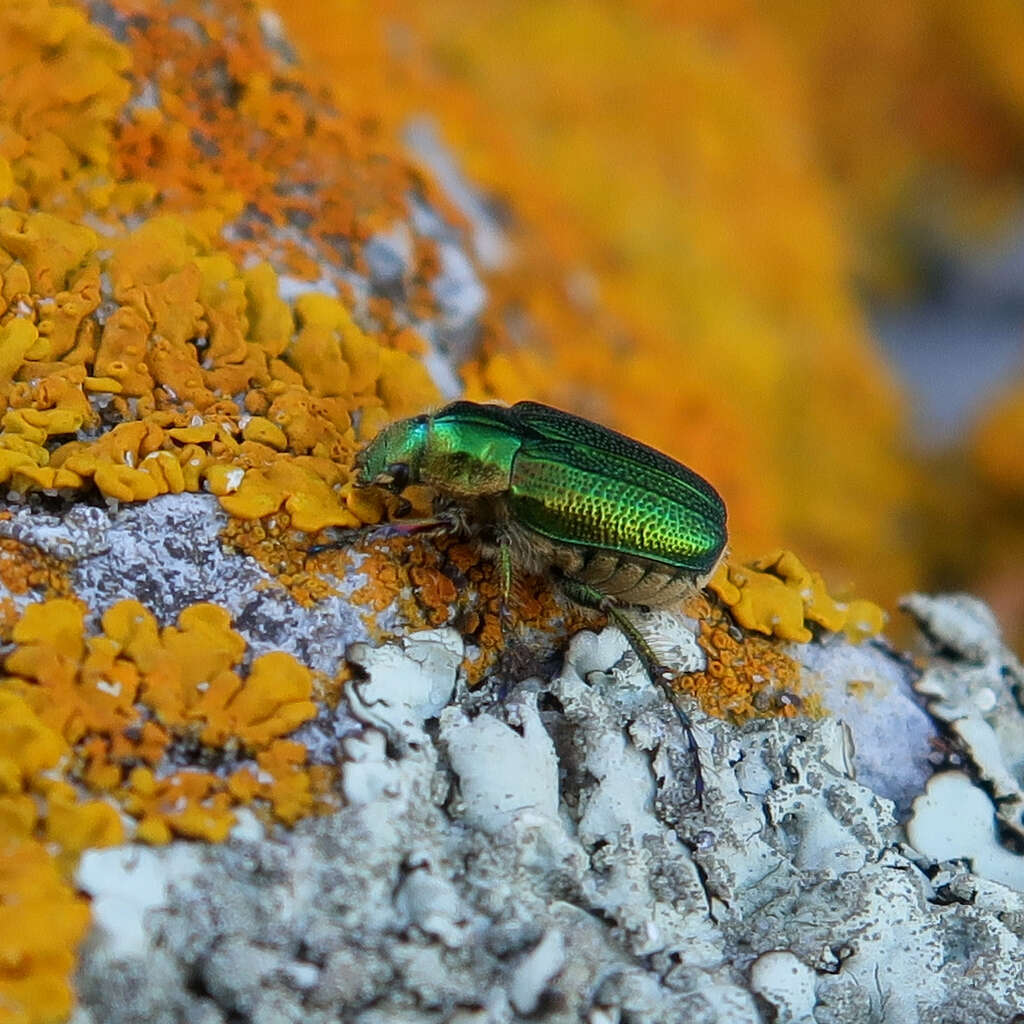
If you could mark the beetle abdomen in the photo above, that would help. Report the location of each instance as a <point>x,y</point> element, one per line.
<point>630,580</point>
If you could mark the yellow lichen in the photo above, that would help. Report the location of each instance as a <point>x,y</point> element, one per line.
<point>16,340</point>
<point>52,250</point>
<point>171,290</point>
<point>64,82</point>
<point>105,708</point>
<point>191,804</point>
<point>273,701</point>
<point>262,431</point>
<point>75,825</point>
<point>283,781</point>
<point>777,595</point>
<point>188,327</point>
<point>28,746</point>
<point>308,499</point>
<point>42,921</point>
<point>69,688</point>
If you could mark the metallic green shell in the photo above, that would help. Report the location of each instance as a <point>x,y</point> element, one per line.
<point>576,482</point>
<point>572,481</point>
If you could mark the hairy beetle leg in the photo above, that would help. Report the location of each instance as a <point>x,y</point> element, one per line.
<point>589,596</point>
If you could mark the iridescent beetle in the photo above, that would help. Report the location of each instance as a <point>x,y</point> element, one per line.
<point>615,522</point>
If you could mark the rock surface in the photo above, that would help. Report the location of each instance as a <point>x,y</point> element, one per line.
<point>542,856</point>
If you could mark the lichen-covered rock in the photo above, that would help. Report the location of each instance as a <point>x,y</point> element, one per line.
<point>221,271</point>
<point>975,685</point>
<point>539,854</point>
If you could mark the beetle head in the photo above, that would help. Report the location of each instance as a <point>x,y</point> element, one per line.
<point>392,459</point>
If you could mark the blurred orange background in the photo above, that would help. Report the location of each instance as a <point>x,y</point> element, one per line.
<point>776,240</point>
<point>782,242</point>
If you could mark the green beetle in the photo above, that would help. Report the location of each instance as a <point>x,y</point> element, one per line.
<point>616,522</point>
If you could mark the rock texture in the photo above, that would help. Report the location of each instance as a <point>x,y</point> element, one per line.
<point>539,854</point>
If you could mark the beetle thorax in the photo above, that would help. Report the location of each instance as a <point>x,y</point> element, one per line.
<point>465,463</point>
<point>462,477</point>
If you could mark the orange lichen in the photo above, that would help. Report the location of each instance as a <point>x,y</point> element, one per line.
<point>435,590</point>
<point>745,677</point>
<point>777,595</point>
<point>392,568</point>
<point>383,580</point>
<point>107,707</point>
<point>24,569</point>
<point>42,922</point>
<point>434,580</point>
<point>175,295</point>
<point>273,701</point>
<point>282,552</point>
<point>191,804</point>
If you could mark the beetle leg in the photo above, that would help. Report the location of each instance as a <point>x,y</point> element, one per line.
<point>505,567</point>
<point>590,597</point>
<point>505,570</point>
